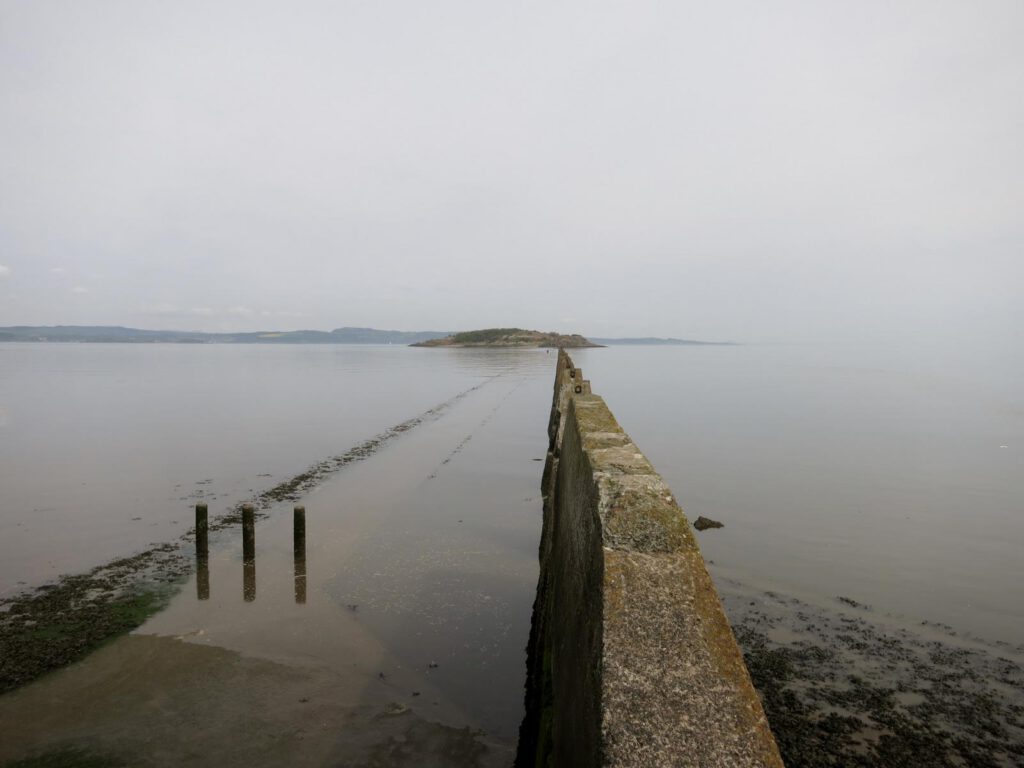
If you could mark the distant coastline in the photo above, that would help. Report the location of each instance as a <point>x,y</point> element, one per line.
<point>115,334</point>
<point>119,335</point>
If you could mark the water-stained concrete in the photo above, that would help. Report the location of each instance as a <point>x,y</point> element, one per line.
<point>632,660</point>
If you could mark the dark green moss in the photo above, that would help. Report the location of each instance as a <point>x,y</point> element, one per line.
<point>846,692</point>
<point>57,626</point>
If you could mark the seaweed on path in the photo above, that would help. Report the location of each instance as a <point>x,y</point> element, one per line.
<point>296,487</point>
<point>846,690</point>
<point>62,622</point>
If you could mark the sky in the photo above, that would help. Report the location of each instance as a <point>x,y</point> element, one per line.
<point>749,171</point>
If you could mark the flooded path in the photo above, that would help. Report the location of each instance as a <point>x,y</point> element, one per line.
<point>401,642</point>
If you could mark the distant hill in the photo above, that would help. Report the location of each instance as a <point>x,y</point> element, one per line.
<point>651,340</point>
<point>508,337</point>
<point>117,334</point>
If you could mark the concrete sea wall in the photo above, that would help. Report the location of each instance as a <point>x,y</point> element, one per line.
<point>631,659</point>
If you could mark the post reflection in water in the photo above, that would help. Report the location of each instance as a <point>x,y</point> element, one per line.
<point>249,580</point>
<point>203,576</point>
<point>300,554</point>
<point>248,553</point>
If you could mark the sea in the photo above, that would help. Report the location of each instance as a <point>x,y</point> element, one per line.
<point>885,476</point>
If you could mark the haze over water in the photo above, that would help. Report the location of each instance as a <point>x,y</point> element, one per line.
<point>892,476</point>
<point>888,474</point>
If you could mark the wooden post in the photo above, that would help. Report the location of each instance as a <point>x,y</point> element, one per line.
<point>202,552</point>
<point>202,528</point>
<point>299,537</point>
<point>248,553</point>
<point>248,532</point>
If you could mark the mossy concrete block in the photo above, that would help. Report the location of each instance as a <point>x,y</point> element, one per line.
<point>637,515</point>
<point>675,691</point>
<point>631,659</point>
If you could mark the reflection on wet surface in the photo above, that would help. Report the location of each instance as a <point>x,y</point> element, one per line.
<point>149,702</point>
<point>299,546</point>
<point>181,424</point>
<point>202,577</point>
<point>389,626</point>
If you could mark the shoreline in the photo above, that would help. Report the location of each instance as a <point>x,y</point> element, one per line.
<point>842,685</point>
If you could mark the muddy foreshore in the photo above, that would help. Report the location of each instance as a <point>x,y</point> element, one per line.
<point>54,625</point>
<point>844,686</point>
<point>841,685</point>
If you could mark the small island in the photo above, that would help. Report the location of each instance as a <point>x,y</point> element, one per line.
<point>509,337</point>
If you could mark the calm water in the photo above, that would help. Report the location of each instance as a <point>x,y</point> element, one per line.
<point>889,475</point>
<point>895,477</point>
<point>106,447</point>
<point>888,478</point>
<point>415,584</point>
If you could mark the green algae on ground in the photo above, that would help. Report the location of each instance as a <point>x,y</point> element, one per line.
<point>842,689</point>
<point>296,487</point>
<point>61,623</point>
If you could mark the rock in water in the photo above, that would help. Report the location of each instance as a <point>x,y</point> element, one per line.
<point>702,523</point>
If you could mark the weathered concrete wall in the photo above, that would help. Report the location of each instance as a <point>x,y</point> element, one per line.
<point>631,659</point>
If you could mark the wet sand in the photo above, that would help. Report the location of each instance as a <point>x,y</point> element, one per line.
<point>419,573</point>
<point>155,701</point>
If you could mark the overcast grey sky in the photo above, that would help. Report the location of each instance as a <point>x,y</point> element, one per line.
<point>745,170</point>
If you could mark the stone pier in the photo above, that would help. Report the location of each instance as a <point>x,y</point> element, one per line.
<point>631,659</point>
